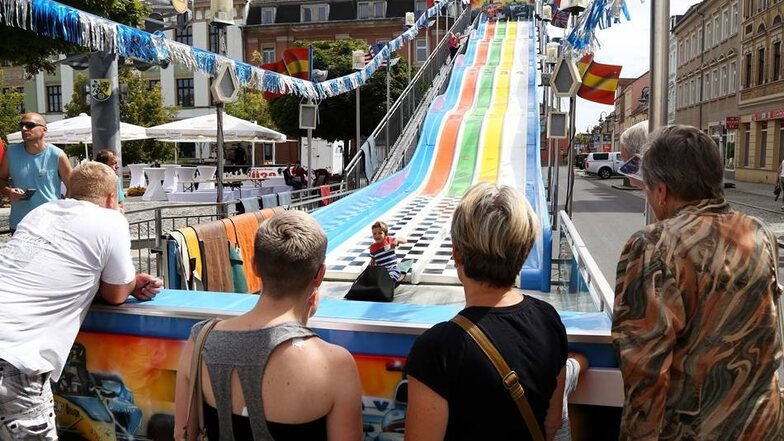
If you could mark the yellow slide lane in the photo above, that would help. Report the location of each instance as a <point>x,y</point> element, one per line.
<point>491,153</point>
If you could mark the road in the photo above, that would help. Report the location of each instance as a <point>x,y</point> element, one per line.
<point>605,216</point>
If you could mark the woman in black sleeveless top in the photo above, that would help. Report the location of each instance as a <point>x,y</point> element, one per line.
<point>265,375</point>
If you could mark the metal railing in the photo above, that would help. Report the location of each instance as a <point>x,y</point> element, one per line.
<point>150,226</point>
<point>578,271</point>
<point>409,107</point>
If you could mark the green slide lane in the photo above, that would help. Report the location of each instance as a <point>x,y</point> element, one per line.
<point>472,123</point>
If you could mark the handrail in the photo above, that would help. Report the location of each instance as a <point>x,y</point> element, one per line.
<point>352,166</point>
<point>598,287</point>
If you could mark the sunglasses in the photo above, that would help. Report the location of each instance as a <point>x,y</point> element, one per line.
<point>29,125</point>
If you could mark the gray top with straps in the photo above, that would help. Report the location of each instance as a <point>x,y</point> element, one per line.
<point>247,352</point>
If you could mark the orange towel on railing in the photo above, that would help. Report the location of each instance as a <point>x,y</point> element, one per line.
<point>325,199</point>
<point>215,252</point>
<point>245,226</point>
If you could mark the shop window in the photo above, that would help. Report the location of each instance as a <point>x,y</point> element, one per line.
<point>762,151</point>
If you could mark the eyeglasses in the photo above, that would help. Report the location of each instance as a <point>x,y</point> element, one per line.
<point>29,125</point>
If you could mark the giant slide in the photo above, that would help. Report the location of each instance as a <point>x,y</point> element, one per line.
<point>484,128</point>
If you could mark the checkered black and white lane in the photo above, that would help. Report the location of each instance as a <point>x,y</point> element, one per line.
<point>424,222</point>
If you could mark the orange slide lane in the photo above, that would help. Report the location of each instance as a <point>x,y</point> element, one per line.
<point>442,166</point>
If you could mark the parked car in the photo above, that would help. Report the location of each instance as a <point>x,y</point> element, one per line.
<point>604,164</point>
<point>579,160</point>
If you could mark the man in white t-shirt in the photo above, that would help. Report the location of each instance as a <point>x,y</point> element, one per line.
<point>62,254</point>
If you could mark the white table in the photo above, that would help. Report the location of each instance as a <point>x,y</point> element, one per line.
<point>186,176</point>
<point>137,175</point>
<point>170,177</point>
<point>154,190</point>
<point>206,178</point>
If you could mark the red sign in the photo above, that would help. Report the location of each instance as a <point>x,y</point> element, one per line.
<point>732,122</point>
<point>770,114</point>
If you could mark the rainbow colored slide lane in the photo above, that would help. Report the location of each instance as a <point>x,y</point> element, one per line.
<point>484,128</point>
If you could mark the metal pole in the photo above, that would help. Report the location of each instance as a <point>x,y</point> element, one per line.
<point>389,78</point>
<point>438,22</point>
<point>358,142</point>
<point>657,107</point>
<point>557,165</point>
<point>219,136</point>
<point>105,108</point>
<point>570,157</point>
<point>310,145</point>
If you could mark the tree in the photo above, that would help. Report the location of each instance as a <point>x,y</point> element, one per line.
<point>337,115</point>
<point>251,106</point>
<point>9,110</point>
<point>37,52</point>
<point>138,105</point>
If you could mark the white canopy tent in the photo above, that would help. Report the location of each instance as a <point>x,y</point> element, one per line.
<point>79,130</point>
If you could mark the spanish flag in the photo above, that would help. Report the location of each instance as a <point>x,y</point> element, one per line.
<point>298,61</point>
<point>599,80</point>
<point>278,67</point>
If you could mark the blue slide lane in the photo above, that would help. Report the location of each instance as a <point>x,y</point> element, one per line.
<point>536,273</point>
<point>342,219</point>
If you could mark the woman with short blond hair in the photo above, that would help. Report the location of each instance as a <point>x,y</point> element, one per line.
<point>455,393</point>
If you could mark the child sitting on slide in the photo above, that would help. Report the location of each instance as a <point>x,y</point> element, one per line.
<point>382,250</point>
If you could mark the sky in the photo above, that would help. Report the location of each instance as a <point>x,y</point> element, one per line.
<point>627,44</point>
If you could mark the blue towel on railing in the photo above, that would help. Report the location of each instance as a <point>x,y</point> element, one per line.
<point>269,200</point>
<point>284,198</point>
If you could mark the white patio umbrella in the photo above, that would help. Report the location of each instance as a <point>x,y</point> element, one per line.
<point>79,129</point>
<point>204,129</point>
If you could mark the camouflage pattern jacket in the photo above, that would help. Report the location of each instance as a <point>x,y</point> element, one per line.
<point>695,328</point>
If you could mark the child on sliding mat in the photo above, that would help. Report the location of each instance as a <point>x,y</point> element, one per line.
<point>382,250</point>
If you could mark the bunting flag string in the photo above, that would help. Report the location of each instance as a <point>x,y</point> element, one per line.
<point>58,21</point>
<point>599,13</point>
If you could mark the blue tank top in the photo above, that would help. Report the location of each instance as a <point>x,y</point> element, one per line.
<point>40,171</point>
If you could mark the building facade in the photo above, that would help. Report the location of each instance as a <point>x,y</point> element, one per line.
<point>631,105</point>
<point>761,101</point>
<point>707,73</point>
<point>274,25</point>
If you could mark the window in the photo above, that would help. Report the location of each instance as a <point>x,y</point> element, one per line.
<point>763,144</point>
<point>21,106</point>
<point>705,87</point>
<point>723,80</point>
<point>781,142</point>
<point>366,10</point>
<point>600,156</point>
<point>54,99</point>
<point>213,40</point>
<point>761,66</point>
<point>694,45</point>
<point>152,84</point>
<point>693,95</point>
<point>776,60</point>
<point>716,30</point>
<point>420,6</point>
<point>421,50</point>
<point>267,15</point>
<point>747,8</point>
<point>314,13</point>
<point>269,152</point>
<point>708,36</point>
<point>763,4</point>
<point>715,86</point>
<point>268,55</point>
<point>733,18</point>
<point>699,40</point>
<point>733,81</point>
<point>725,23</point>
<point>680,53</point>
<point>747,83</point>
<point>185,92</point>
<point>184,36</point>
<point>679,98</point>
<point>746,143</point>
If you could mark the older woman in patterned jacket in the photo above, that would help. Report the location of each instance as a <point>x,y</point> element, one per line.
<point>695,307</point>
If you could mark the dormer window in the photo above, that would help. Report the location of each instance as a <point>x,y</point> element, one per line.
<point>268,15</point>
<point>314,13</point>
<point>369,10</point>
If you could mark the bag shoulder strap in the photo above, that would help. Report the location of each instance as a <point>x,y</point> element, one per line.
<point>196,391</point>
<point>508,376</point>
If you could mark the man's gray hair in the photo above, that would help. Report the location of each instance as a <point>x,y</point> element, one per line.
<point>634,138</point>
<point>686,160</point>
